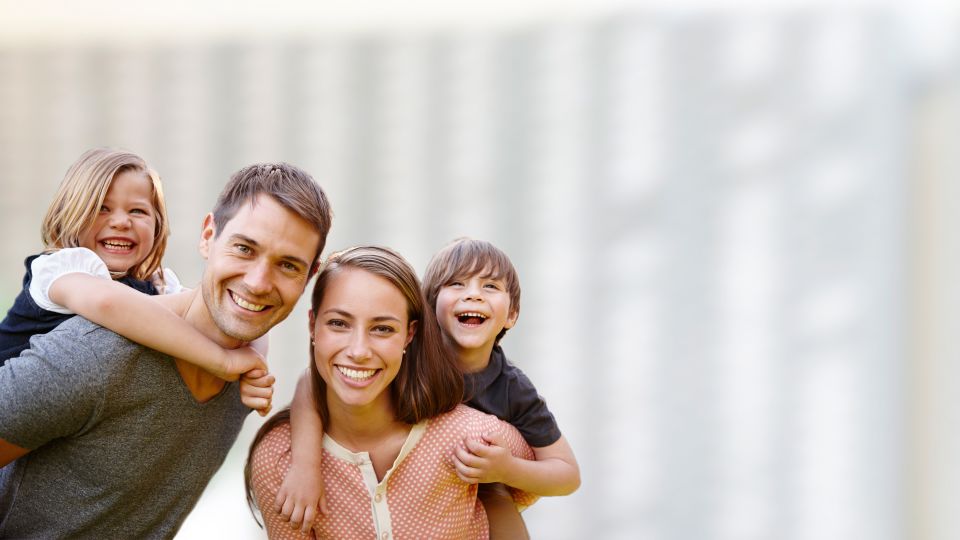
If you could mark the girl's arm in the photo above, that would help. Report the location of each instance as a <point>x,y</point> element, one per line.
<point>301,493</point>
<point>139,318</point>
<point>555,471</point>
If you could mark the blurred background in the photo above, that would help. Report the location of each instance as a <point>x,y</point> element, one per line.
<point>734,224</point>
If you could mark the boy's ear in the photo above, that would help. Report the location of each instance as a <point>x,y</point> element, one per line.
<point>207,232</point>
<point>512,318</point>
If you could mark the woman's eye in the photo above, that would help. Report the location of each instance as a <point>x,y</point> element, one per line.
<point>383,329</point>
<point>337,323</point>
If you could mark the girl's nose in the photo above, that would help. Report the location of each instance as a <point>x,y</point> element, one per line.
<point>119,220</point>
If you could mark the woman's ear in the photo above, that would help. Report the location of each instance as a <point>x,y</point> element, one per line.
<point>411,331</point>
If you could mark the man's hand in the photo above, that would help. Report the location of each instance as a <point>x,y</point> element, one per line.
<point>484,461</point>
<point>256,390</point>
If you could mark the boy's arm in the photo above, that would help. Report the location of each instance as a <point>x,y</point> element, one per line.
<point>555,471</point>
<point>502,514</point>
<point>139,318</point>
<point>301,493</point>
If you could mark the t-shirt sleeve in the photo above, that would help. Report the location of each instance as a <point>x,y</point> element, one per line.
<point>529,412</point>
<point>53,389</point>
<point>171,282</point>
<point>48,268</point>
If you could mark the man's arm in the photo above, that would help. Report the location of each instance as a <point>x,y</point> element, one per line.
<point>9,452</point>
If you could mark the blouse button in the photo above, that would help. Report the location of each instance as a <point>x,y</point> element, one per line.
<point>377,498</point>
<point>385,535</point>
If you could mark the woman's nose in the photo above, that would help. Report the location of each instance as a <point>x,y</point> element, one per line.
<point>359,347</point>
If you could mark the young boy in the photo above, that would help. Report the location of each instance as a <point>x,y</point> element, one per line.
<point>475,292</point>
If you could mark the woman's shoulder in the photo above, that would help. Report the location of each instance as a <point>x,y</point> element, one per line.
<point>271,448</point>
<point>464,418</point>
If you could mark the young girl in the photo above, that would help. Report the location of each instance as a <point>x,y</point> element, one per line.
<point>104,237</point>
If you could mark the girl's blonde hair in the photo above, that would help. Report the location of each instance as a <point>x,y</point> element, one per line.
<point>81,194</point>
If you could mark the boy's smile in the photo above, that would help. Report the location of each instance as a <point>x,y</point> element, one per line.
<point>472,311</point>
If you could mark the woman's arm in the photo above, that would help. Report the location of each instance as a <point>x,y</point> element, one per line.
<point>139,318</point>
<point>555,471</point>
<point>301,494</point>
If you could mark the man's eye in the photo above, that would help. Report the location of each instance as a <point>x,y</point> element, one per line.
<point>242,248</point>
<point>289,266</point>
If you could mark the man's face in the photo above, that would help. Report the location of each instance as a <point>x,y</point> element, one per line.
<point>257,267</point>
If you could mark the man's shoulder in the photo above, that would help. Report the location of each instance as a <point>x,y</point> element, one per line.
<point>80,333</point>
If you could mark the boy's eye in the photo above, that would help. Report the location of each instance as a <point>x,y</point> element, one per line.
<point>492,286</point>
<point>455,284</point>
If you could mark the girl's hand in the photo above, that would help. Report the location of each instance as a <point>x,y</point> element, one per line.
<point>256,390</point>
<point>301,496</point>
<point>484,461</point>
<point>236,362</point>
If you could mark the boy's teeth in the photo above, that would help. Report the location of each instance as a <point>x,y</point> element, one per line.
<point>247,305</point>
<point>357,374</point>
<point>472,314</point>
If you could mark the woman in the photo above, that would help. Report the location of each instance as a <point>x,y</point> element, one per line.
<point>389,397</point>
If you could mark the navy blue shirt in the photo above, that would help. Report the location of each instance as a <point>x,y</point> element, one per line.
<point>504,391</point>
<point>26,319</point>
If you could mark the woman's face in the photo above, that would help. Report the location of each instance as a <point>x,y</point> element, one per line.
<point>360,331</point>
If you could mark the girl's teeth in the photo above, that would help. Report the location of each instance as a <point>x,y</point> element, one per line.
<point>247,305</point>
<point>357,374</point>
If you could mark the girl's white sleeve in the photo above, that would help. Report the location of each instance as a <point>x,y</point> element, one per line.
<point>48,268</point>
<point>171,283</point>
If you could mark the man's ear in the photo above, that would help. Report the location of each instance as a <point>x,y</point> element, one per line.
<point>313,268</point>
<point>207,232</point>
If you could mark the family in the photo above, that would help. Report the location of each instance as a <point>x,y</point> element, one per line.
<point>121,390</point>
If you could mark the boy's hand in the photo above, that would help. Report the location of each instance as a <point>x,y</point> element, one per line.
<point>483,461</point>
<point>236,362</point>
<point>301,496</point>
<point>256,390</point>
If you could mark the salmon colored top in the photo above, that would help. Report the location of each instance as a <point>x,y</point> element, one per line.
<point>419,497</point>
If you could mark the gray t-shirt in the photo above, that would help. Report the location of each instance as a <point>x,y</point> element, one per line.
<point>119,446</point>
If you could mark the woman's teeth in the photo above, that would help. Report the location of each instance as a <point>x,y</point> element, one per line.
<point>357,374</point>
<point>247,305</point>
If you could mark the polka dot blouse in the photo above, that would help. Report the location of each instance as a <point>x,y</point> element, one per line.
<point>419,497</point>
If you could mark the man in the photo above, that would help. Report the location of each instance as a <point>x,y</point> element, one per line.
<point>109,439</point>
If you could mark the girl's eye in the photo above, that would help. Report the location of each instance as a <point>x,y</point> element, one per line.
<point>139,211</point>
<point>104,209</point>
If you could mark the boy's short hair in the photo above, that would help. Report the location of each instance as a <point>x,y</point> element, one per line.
<point>466,257</point>
<point>290,186</point>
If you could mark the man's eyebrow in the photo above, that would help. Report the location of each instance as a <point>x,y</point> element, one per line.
<point>247,240</point>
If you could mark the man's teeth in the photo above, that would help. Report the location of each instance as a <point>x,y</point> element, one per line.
<point>117,245</point>
<point>357,374</point>
<point>247,305</point>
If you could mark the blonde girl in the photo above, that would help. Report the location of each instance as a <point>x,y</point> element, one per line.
<point>104,236</point>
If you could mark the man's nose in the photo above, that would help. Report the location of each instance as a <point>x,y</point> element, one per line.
<point>257,278</point>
